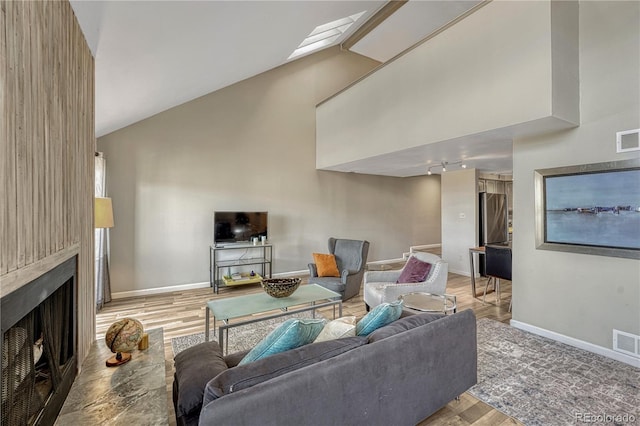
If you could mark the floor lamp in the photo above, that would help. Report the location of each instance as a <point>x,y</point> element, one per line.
<point>103,218</point>
<point>103,213</point>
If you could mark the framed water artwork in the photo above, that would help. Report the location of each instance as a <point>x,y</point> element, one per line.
<point>590,208</point>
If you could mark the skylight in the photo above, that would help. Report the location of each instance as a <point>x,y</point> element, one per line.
<point>325,35</point>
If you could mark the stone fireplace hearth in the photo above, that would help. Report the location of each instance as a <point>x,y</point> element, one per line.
<point>39,347</point>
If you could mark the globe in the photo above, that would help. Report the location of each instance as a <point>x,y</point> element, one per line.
<point>121,338</point>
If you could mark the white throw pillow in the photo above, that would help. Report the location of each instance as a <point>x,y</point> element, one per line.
<point>338,328</point>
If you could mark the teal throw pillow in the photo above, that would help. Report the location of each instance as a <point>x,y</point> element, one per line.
<point>381,315</point>
<point>291,334</point>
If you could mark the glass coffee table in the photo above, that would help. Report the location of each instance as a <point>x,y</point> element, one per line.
<point>306,298</point>
<point>428,302</point>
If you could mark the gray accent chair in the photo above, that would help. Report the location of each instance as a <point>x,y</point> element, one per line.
<point>351,257</point>
<point>381,286</point>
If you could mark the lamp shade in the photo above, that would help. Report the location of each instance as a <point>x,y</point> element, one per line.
<point>103,213</point>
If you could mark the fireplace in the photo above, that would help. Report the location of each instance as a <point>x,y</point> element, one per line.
<point>39,346</point>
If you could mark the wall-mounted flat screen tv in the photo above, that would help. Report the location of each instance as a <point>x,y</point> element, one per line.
<point>237,227</point>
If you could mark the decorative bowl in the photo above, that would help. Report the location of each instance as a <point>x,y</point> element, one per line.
<point>280,287</point>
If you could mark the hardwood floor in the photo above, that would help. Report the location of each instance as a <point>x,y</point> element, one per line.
<point>181,313</point>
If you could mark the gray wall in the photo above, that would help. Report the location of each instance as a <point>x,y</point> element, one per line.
<point>577,295</point>
<point>251,146</point>
<point>459,218</point>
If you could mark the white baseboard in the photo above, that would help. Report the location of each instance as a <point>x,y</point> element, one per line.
<point>382,262</point>
<point>461,272</point>
<point>423,247</point>
<point>412,249</point>
<point>580,344</point>
<point>182,287</point>
<point>291,274</point>
<point>158,290</point>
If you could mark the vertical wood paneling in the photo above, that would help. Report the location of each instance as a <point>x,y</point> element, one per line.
<point>37,80</point>
<point>28,131</point>
<point>47,149</point>
<point>8,218</point>
<point>11,120</point>
<point>3,152</point>
<point>21,183</point>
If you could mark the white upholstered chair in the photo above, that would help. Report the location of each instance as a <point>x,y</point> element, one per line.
<point>381,286</point>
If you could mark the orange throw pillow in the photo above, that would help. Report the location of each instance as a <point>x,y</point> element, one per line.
<point>326,265</point>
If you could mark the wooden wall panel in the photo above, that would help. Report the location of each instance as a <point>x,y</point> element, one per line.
<point>47,150</point>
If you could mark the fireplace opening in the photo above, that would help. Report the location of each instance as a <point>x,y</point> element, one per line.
<point>39,336</point>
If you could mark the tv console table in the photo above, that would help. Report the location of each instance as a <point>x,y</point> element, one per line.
<point>260,255</point>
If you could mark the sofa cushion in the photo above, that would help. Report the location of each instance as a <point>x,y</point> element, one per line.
<point>403,324</point>
<point>245,376</point>
<point>326,265</point>
<point>291,334</point>
<point>195,366</point>
<point>381,315</point>
<point>234,359</point>
<point>337,329</point>
<point>415,271</point>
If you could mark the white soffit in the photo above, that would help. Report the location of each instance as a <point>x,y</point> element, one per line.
<point>491,153</point>
<point>359,118</point>
<point>408,25</point>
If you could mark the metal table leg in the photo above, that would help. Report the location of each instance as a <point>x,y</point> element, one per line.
<point>206,324</point>
<point>473,274</point>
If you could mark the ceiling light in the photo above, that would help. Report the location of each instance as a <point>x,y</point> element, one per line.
<point>445,164</point>
<point>325,35</point>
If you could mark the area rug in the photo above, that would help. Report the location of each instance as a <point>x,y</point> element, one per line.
<point>543,382</point>
<point>240,338</point>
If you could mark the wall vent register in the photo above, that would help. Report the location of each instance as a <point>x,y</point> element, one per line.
<point>626,343</point>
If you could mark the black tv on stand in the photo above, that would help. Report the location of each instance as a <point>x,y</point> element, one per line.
<point>238,227</point>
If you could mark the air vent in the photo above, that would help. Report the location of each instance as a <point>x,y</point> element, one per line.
<point>626,343</point>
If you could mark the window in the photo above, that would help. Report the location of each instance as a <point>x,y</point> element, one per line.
<point>325,35</point>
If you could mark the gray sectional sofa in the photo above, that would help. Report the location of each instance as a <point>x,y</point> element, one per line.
<point>399,374</point>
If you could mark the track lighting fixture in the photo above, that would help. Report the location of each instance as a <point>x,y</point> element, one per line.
<point>445,164</point>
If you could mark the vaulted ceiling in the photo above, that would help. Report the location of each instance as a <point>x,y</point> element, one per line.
<point>153,55</point>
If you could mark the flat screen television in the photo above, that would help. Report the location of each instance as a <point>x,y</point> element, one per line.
<point>237,227</point>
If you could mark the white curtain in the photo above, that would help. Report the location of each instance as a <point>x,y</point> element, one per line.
<point>103,286</point>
